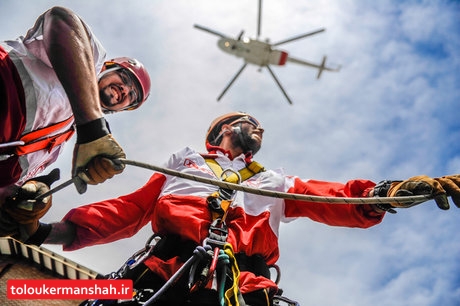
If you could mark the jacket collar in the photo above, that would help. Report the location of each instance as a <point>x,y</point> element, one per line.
<point>213,152</point>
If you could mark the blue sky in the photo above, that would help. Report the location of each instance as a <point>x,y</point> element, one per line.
<point>390,113</point>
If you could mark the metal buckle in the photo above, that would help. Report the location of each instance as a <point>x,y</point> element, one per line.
<point>217,234</point>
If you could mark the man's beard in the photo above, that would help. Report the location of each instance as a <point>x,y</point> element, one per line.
<point>106,99</point>
<point>244,140</point>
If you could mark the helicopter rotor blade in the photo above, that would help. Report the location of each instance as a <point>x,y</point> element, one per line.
<point>209,31</point>
<point>279,84</point>
<point>232,81</point>
<point>298,37</point>
<point>259,19</point>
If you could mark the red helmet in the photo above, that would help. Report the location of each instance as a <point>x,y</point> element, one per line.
<point>213,134</point>
<point>140,73</point>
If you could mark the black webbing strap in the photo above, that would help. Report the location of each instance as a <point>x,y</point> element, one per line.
<point>255,264</point>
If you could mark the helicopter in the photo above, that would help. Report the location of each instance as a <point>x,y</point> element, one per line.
<point>262,53</point>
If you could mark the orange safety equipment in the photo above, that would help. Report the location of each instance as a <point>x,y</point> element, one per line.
<point>40,139</point>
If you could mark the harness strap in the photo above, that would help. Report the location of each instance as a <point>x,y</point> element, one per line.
<point>220,201</point>
<point>255,264</point>
<point>245,173</point>
<point>232,295</point>
<point>40,140</point>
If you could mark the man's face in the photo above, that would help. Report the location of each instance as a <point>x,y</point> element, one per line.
<point>117,90</point>
<point>250,138</point>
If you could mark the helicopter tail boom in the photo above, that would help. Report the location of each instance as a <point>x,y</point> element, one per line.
<point>278,57</point>
<point>321,67</point>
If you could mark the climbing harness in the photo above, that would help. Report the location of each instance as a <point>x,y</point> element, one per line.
<point>40,139</point>
<point>221,251</point>
<point>220,200</point>
<point>251,169</point>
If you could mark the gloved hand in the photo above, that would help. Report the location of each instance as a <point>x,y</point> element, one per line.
<point>8,227</point>
<point>87,168</point>
<point>424,185</point>
<point>23,207</point>
<point>451,185</point>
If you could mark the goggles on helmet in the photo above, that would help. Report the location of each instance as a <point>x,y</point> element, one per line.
<point>213,134</point>
<point>129,81</point>
<point>248,119</point>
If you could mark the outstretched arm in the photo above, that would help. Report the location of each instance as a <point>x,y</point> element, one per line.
<point>69,49</point>
<point>68,46</point>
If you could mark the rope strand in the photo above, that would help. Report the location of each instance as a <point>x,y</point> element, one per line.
<point>283,195</point>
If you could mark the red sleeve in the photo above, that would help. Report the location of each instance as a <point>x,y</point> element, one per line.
<point>114,219</point>
<point>348,215</point>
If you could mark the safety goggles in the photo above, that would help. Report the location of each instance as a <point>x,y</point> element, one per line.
<point>128,80</point>
<point>248,119</point>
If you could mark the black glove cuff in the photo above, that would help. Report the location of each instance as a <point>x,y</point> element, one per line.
<point>92,130</point>
<point>47,179</point>
<point>385,207</point>
<point>381,189</point>
<point>40,235</point>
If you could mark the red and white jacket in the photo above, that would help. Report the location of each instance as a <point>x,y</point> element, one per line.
<point>178,206</point>
<point>46,102</point>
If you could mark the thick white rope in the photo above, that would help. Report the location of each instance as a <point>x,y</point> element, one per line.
<point>283,195</point>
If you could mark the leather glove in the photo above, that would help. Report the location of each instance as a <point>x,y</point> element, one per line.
<point>422,185</point>
<point>451,185</point>
<point>23,208</point>
<point>8,226</point>
<point>85,165</point>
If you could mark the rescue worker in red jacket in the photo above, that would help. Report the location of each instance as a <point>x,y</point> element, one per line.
<point>187,214</point>
<point>53,81</point>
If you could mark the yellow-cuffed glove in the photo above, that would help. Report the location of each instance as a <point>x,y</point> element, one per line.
<point>8,227</point>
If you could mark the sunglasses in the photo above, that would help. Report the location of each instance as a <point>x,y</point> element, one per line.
<point>248,119</point>
<point>127,79</point>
